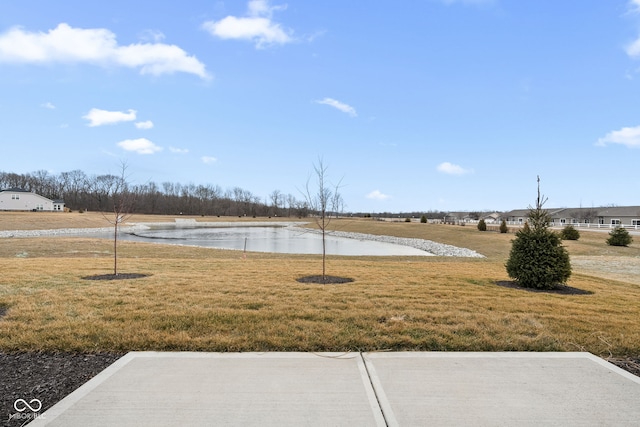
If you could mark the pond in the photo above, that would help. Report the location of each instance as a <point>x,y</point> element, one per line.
<point>290,240</point>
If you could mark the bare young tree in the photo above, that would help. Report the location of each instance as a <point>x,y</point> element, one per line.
<point>277,198</point>
<point>322,200</point>
<point>123,203</point>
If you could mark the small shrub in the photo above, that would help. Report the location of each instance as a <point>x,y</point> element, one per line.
<point>503,227</point>
<point>407,220</point>
<point>619,237</point>
<point>482,226</point>
<point>569,233</point>
<point>423,219</point>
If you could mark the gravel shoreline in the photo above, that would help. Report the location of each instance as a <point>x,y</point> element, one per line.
<point>438,249</point>
<point>68,231</point>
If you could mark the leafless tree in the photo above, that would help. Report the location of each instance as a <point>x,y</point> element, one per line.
<point>123,203</point>
<point>322,200</point>
<point>277,198</point>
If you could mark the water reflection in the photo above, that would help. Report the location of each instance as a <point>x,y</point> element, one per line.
<point>289,240</point>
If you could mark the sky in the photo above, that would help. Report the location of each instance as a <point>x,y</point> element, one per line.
<point>413,105</point>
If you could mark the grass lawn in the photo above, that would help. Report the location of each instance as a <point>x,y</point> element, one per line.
<point>215,300</point>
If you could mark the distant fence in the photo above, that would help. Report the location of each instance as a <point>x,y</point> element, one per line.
<point>495,224</point>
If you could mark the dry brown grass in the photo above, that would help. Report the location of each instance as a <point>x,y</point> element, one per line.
<point>205,299</point>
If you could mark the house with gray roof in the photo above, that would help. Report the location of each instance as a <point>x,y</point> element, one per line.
<point>602,217</point>
<point>16,199</point>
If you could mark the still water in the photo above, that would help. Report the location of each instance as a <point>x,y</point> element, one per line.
<point>270,239</point>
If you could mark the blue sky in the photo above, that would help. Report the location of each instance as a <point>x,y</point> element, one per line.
<point>415,105</point>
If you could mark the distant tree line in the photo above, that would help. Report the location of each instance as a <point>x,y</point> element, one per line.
<point>82,192</point>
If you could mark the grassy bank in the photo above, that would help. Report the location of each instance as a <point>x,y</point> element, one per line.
<point>204,299</point>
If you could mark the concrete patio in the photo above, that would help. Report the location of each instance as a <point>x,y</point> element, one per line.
<point>354,389</point>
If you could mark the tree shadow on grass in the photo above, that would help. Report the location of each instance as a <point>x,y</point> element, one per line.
<point>559,289</point>
<point>119,276</point>
<point>328,280</point>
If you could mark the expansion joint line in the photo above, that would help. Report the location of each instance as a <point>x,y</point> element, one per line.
<point>373,387</point>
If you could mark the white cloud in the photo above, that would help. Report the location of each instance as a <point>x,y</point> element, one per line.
<point>451,169</point>
<point>633,49</point>
<point>152,35</point>
<point>140,146</point>
<point>178,150</point>
<point>377,195</point>
<point>99,117</point>
<point>208,159</point>
<point>48,106</point>
<point>629,136</point>
<point>144,125</point>
<point>98,46</point>
<point>339,105</point>
<point>257,26</point>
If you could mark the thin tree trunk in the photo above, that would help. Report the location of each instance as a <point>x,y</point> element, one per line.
<point>324,256</point>
<point>115,249</point>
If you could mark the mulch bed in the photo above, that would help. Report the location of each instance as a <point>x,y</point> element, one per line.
<point>630,364</point>
<point>560,289</point>
<point>327,280</point>
<point>48,377</point>
<point>119,276</point>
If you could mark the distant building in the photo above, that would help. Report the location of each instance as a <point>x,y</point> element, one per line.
<point>16,199</point>
<point>625,216</point>
<point>492,218</point>
<point>471,217</point>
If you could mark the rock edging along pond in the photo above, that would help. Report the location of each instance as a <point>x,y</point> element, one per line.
<point>438,249</point>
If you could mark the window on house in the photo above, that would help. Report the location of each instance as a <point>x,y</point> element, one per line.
<point>586,221</point>
<point>601,221</point>
<point>615,222</point>
<point>574,221</point>
<point>635,222</point>
<point>15,197</point>
<point>563,221</point>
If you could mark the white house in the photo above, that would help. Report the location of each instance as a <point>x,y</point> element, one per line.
<point>15,199</point>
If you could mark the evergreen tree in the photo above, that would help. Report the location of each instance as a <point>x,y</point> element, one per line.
<point>619,237</point>
<point>537,258</point>
<point>569,233</point>
<point>482,226</point>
